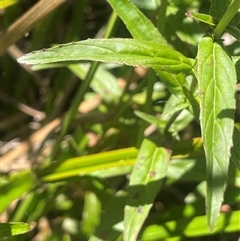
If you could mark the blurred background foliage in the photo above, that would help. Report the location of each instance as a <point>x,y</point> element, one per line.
<point>63,204</point>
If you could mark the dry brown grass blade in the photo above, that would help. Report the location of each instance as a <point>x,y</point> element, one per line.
<point>39,136</point>
<point>25,146</point>
<point>38,115</point>
<point>27,22</point>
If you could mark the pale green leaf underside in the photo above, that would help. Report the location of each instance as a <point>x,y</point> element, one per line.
<point>123,51</point>
<point>217,83</point>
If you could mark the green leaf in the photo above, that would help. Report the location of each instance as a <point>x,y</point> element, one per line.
<point>140,27</point>
<point>236,61</point>
<point>191,227</point>
<point>202,17</point>
<point>193,102</point>
<point>217,86</point>
<point>105,164</point>
<point>14,228</point>
<point>151,119</point>
<point>235,152</point>
<point>145,182</point>
<point>180,122</point>
<point>66,237</point>
<point>111,163</point>
<point>91,213</point>
<point>103,82</point>
<point>33,206</point>
<point>177,168</point>
<point>15,187</point>
<point>228,17</point>
<point>123,51</point>
<point>109,228</point>
<point>146,31</point>
<point>234,31</point>
<point>218,8</point>
<point>173,82</point>
<point>7,3</point>
<point>208,19</point>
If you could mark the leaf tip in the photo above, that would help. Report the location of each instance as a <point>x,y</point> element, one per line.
<point>21,60</point>
<point>188,14</point>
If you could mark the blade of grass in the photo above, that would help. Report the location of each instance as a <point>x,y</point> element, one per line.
<point>89,164</point>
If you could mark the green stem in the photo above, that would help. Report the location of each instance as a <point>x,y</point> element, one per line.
<point>161,16</point>
<point>124,104</point>
<point>170,122</point>
<point>71,113</point>
<point>151,79</point>
<point>226,18</point>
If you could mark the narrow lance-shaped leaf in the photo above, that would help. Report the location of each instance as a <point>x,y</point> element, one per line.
<point>14,228</point>
<point>141,28</point>
<point>7,3</point>
<point>17,184</point>
<point>217,83</point>
<point>234,31</point>
<point>144,184</point>
<point>103,164</point>
<point>123,51</point>
<point>218,8</point>
<point>190,227</point>
<point>235,152</point>
<point>202,17</point>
